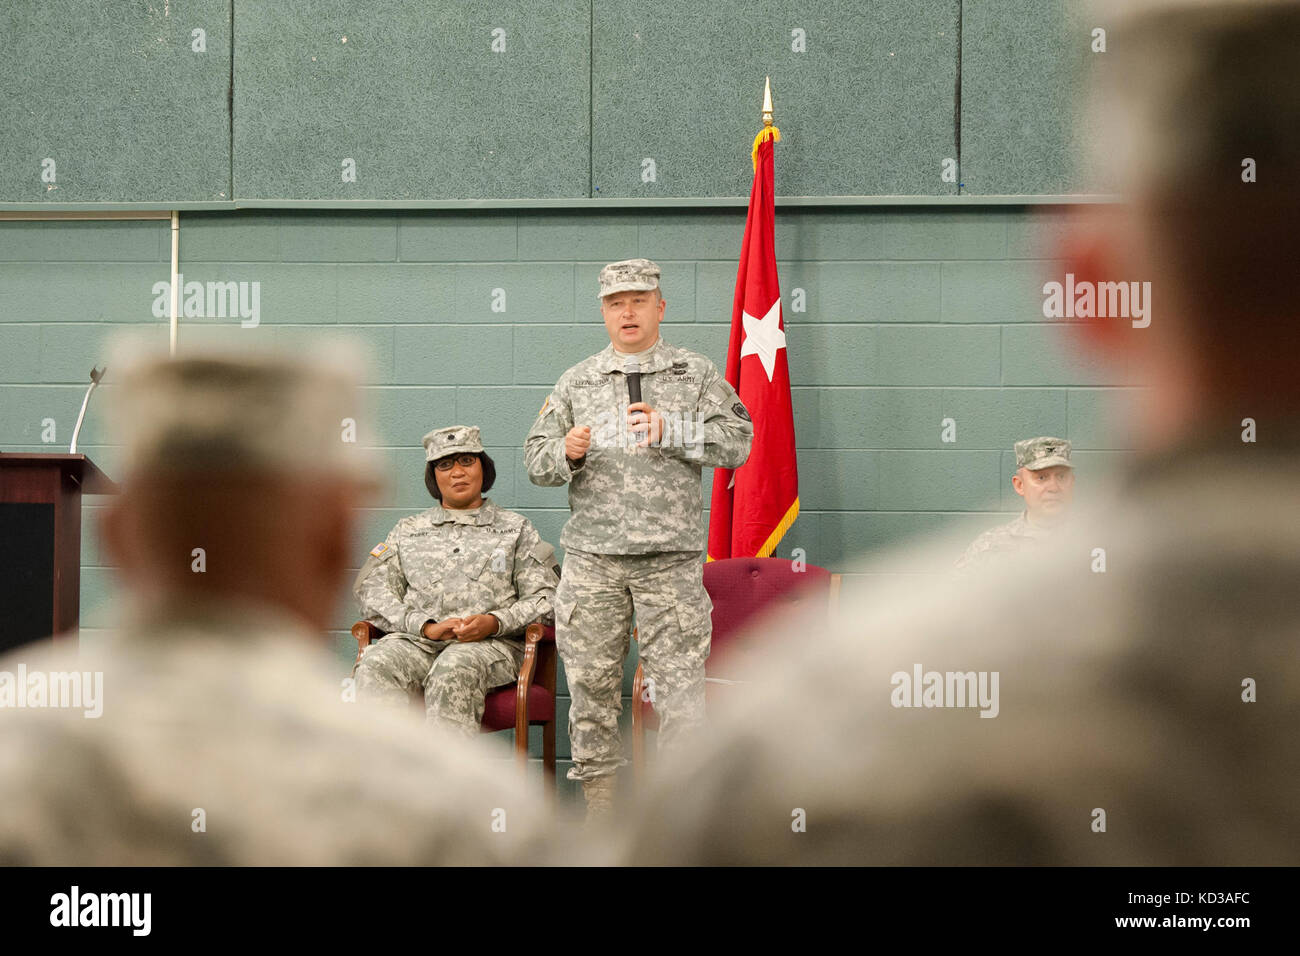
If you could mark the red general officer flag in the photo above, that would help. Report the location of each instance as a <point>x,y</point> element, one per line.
<point>754,504</point>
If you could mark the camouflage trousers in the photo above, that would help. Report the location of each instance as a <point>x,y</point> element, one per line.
<point>455,677</point>
<point>593,617</point>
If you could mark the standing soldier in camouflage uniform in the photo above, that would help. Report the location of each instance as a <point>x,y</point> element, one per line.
<point>455,586</point>
<point>636,535</point>
<point>1045,479</point>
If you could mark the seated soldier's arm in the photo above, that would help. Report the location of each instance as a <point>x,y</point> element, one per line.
<point>384,594</point>
<point>535,581</point>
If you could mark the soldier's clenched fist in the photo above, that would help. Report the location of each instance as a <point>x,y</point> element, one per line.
<point>576,442</point>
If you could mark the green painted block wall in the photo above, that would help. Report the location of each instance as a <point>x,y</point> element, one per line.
<point>427,100</point>
<point>864,96</point>
<point>1025,125</point>
<point>911,316</point>
<point>115,101</point>
<point>390,101</point>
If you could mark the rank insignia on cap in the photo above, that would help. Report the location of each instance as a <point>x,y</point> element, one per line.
<point>378,550</point>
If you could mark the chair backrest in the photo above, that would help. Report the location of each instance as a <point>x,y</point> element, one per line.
<point>742,588</point>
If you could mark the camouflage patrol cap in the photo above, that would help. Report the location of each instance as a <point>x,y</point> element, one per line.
<point>230,411</point>
<point>628,276</point>
<point>452,440</point>
<point>1038,453</point>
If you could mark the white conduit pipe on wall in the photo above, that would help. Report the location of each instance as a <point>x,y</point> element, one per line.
<point>176,260</point>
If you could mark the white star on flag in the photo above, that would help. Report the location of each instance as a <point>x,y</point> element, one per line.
<point>763,337</point>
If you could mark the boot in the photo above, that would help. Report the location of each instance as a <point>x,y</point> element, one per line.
<point>599,794</point>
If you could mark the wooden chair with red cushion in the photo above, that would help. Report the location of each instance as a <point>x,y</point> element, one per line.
<point>529,701</point>
<point>740,589</point>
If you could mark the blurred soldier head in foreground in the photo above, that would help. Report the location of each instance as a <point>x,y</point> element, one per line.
<point>227,734</point>
<point>237,482</point>
<point>1131,696</point>
<point>1202,115</point>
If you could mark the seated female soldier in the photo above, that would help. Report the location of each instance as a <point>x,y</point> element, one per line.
<point>454,587</point>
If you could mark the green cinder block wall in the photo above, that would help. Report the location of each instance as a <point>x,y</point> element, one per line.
<point>911,315</point>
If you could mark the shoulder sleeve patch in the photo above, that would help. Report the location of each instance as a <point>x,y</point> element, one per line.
<point>378,550</point>
<point>542,411</point>
<point>721,394</point>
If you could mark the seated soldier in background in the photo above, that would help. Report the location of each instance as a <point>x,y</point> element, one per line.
<point>454,586</point>
<point>225,736</point>
<point>1045,479</point>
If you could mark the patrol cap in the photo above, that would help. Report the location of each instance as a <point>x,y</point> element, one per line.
<point>630,275</point>
<point>237,410</point>
<point>1044,452</point>
<point>452,440</point>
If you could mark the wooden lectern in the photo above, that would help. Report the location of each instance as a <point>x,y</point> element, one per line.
<point>40,542</point>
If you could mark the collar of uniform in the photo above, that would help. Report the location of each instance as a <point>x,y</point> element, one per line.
<point>659,359</point>
<point>486,514</point>
<point>1025,528</point>
<point>1019,525</point>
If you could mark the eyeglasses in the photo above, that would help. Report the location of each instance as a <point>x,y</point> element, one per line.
<point>465,461</point>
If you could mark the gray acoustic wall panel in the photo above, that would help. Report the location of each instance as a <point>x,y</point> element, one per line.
<point>115,102</point>
<point>865,96</point>
<point>1025,69</point>
<point>396,100</point>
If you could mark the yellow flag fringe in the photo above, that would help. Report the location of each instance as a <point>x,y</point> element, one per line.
<point>767,132</point>
<point>774,538</point>
<point>779,531</point>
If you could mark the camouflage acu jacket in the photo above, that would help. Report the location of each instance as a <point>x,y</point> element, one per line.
<point>627,500</point>
<point>236,708</point>
<point>1017,535</point>
<point>443,563</point>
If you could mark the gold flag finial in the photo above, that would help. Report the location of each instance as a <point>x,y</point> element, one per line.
<point>768,133</point>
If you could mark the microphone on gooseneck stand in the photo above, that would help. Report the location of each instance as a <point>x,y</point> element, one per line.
<point>632,372</point>
<point>96,375</point>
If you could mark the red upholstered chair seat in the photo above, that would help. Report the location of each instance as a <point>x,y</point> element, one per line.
<point>743,588</point>
<point>499,714</point>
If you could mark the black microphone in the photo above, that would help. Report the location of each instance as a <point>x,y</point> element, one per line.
<point>633,372</point>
